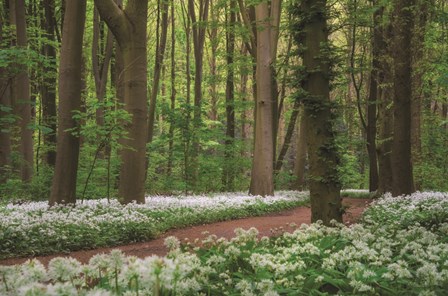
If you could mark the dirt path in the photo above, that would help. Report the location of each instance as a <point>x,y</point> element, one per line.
<point>266,225</point>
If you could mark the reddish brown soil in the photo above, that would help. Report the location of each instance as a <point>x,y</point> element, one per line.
<point>267,226</point>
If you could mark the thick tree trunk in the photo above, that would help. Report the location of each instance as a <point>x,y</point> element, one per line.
<point>372,102</point>
<point>228,173</point>
<point>403,181</point>
<point>420,14</point>
<point>129,28</point>
<point>262,179</point>
<point>385,136</point>
<point>63,188</point>
<point>323,159</point>
<point>5,113</point>
<point>21,93</point>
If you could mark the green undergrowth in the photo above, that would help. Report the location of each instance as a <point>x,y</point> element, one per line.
<point>33,229</point>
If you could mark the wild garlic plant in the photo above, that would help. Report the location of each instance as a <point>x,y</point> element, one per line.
<point>374,258</point>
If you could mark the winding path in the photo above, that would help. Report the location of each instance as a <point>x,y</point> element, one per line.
<point>267,225</point>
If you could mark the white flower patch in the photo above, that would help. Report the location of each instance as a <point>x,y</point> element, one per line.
<point>35,224</point>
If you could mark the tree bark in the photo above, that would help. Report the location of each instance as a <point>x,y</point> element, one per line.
<point>198,44</point>
<point>21,93</point>
<point>301,154</point>
<point>129,28</point>
<point>5,113</point>
<point>403,181</point>
<point>228,172</point>
<point>214,41</point>
<point>100,67</point>
<point>372,103</point>
<point>63,188</point>
<point>420,14</point>
<point>262,179</point>
<point>173,92</point>
<point>48,88</point>
<point>159,56</point>
<point>288,137</point>
<point>323,158</point>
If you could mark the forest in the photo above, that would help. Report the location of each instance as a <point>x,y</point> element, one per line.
<point>121,120</point>
<point>89,119</point>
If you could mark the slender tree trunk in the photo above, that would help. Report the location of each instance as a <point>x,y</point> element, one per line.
<point>262,179</point>
<point>323,159</point>
<point>160,53</point>
<point>129,28</point>
<point>228,173</point>
<point>275,16</point>
<point>288,137</point>
<point>301,153</point>
<point>403,181</point>
<point>100,67</point>
<point>63,188</point>
<point>186,134</point>
<point>21,93</point>
<point>173,91</point>
<point>48,88</point>
<point>372,103</point>
<point>214,41</point>
<point>198,44</point>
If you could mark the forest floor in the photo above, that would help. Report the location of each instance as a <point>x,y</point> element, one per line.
<point>268,225</point>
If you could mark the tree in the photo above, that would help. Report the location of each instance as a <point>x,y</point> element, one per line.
<point>173,90</point>
<point>5,113</point>
<point>228,174</point>
<point>311,29</point>
<point>198,30</point>
<point>159,56</point>
<point>63,189</point>
<point>21,92</point>
<point>129,28</point>
<point>48,87</point>
<point>262,179</point>
<point>403,181</point>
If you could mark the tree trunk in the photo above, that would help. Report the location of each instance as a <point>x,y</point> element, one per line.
<point>198,45</point>
<point>21,93</point>
<point>160,53</point>
<point>288,137</point>
<point>262,179</point>
<point>420,14</point>
<point>301,153</point>
<point>129,28</point>
<point>403,182</point>
<point>173,92</point>
<point>214,41</point>
<point>5,113</point>
<point>48,88</point>
<point>100,67</point>
<point>63,188</point>
<point>323,159</point>
<point>372,102</point>
<point>228,172</point>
